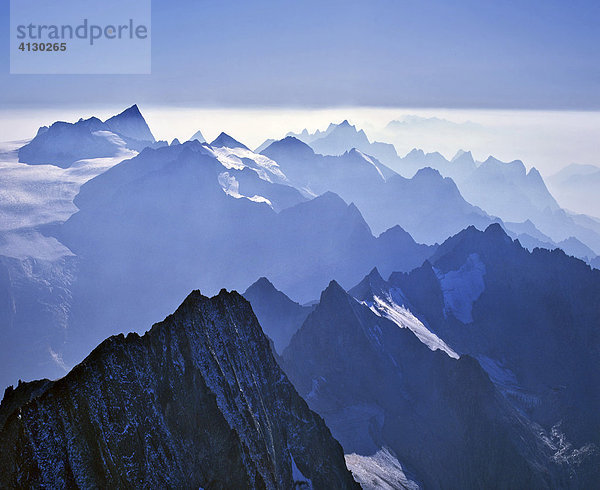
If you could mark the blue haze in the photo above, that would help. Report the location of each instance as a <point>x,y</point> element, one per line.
<point>526,54</point>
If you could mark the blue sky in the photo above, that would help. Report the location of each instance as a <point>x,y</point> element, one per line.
<point>394,53</point>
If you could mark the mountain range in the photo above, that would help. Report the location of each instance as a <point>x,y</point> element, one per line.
<point>178,217</point>
<point>190,215</point>
<point>503,189</point>
<point>280,317</point>
<point>474,364</point>
<point>378,387</point>
<point>482,307</point>
<point>427,206</point>
<point>487,297</point>
<point>340,138</point>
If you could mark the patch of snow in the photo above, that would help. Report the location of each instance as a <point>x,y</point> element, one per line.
<point>233,158</point>
<point>58,360</point>
<point>111,138</point>
<point>314,391</point>
<point>381,471</point>
<point>27,243</point>
<point>33,195</point>
<point>506,381</point>
<point>300,481</point>
<point>231,187</point>
<point>388,307</point>
<point>370,160</point>
<point>564,452</point>
<point>461,288</point>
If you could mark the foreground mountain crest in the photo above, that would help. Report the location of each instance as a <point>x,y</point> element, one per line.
<point>197,401</point>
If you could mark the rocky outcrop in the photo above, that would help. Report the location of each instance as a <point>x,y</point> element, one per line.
<point>198,401</point>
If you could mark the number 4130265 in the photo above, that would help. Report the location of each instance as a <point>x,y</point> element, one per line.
<point>43,46</point>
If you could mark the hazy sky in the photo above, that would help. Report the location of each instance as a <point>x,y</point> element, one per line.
<point>548,140</point>
<point>396,53</point>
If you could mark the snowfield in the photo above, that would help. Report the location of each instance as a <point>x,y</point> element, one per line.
<point>37,195</point>
<point>381,471</point>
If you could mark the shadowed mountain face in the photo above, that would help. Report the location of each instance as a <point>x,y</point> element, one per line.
<point>176,218</point>
<point>63,143</point>
<point>35,298</point>
<point>427,206</point>
<point>279,316</point>
<point>378,386</point>
<point>531,319</point>
<point>130,124</point>
<point>198,401</point>
<point>224,140</point>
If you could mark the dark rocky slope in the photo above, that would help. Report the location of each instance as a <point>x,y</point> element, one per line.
<point>532,320</point>
<point>378,386</point>
<point>197,401</point>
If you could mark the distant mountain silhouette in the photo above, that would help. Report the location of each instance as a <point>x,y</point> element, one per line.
<point>577,187</point>
<point>340,138</point>
<point>198,136</point>
<point>225,140</point>
<point>64,143</point>
<point>279,316</point>
<point>508,191</point>
<point>428,206</point>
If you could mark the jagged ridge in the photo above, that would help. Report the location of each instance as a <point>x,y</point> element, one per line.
<point>197,401</point>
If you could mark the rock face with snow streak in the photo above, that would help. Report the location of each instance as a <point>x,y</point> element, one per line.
<point>197,401</point>
<point>391,303</point>
<point>379,386</point>
<point>531,319</point>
